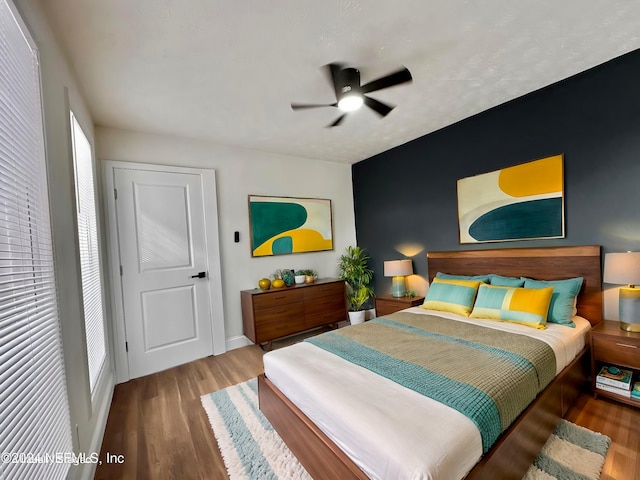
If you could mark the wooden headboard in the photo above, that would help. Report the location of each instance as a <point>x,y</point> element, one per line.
<point>546,263</point>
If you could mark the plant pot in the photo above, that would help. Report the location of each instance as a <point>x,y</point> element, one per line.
<point>309,279</point>
<point>299,279</point>
<point>356,317</point>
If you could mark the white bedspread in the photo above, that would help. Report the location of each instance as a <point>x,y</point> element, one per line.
<point>388,430</point>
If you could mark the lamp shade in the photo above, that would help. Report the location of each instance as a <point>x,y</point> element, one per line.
<point>398,268</point>
<point>622,268</point>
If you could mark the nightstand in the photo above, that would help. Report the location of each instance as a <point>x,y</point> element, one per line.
<point>611,345</point>
<point>386,304</point>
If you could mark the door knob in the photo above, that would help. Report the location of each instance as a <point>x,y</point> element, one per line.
<point>200,275</point>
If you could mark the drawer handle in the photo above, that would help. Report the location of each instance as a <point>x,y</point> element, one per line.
<point>280,297</point>
<point>626,345</point>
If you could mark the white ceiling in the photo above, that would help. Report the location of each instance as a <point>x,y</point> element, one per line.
<point>226,71</point>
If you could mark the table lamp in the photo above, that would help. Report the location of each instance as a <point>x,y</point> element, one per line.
<point>624,268</point>
<point>398,269</point>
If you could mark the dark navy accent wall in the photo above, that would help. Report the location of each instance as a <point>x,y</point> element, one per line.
<point>405,198</point>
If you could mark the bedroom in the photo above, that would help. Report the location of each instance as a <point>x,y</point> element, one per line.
<point>599,142</point>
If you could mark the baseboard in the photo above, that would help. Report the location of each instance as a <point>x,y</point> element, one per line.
<point>238,342</point>
<point>87,471</point>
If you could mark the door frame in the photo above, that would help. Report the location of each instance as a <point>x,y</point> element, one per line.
<point>216,306</point>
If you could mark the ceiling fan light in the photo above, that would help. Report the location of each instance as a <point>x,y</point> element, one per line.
<point>350,102</point>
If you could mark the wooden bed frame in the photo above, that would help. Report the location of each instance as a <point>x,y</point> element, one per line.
<point>514,451</point>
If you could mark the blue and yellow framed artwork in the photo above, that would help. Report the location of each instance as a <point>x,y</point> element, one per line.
<point>523,202</point>
<point>282,225</point>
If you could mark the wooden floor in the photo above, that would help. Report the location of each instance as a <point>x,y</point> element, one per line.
<point>159,427</point>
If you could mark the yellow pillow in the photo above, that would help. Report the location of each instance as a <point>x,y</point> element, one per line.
<point>449,295</point>
<point>526,306</point>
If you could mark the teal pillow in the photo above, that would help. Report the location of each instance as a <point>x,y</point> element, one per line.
<point>451,295</point>
<point>446,276</point>
<point>502,281</point>
<point>563,300</point>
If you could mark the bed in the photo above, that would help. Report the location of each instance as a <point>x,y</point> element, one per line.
<point>327,446</point>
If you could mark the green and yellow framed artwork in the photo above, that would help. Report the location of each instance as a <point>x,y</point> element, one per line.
<point>523,202</point>
<point>282,225</point>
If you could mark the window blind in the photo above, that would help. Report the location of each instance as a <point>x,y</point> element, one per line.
<point>34,409</point>
<point>89,252</point>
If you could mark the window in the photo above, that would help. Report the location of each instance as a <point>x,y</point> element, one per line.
<point>34,409</point>
<point>89,252</point>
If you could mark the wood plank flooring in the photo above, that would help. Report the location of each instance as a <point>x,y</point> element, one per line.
<point>619,422</point>
<point>159,426</point>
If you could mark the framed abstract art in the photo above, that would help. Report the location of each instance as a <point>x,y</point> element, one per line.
<point>523,202</point>
<point>282,225</point>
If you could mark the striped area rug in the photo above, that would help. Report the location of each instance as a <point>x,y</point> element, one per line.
<point>252,449</point>
<point>571,453</point>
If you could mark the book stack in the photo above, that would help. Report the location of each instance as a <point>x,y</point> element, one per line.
<point>635,391</point>
<point>615,380</point>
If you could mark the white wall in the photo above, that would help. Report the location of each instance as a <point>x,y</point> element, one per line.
<point>59,91</point>
<point>240,172</point>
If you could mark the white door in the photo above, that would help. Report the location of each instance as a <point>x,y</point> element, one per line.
<point>163,248</point>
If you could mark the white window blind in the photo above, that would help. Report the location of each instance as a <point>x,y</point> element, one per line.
<point>34,410</point>
<point>89,251</point>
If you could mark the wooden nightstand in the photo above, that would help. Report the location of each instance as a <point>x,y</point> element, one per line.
<point>611,345</point>
<point>386,304</point>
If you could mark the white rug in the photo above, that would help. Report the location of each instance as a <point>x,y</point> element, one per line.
<point>252,449</point>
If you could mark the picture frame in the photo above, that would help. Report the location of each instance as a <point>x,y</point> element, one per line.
<point>522,202</point>
<point>286,225</point>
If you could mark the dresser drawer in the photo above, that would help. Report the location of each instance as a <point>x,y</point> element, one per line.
<point>275,299</point>
<point>328,290</point>
<point>265,333</point>
<point>282,313</point>
<point>620,351</point>
<point>323,317</point>
<point>334,302</point>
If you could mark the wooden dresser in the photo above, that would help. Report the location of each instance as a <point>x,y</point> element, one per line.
<point>275,313</point>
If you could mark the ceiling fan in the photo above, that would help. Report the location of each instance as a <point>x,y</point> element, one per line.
<point>350,95</point>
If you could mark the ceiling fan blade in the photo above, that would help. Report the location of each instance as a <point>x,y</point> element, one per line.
<point>302,106</point>
<point>332,71</point>
<point>338,121</point>
<point>396,78</point>
<point>380,108</point>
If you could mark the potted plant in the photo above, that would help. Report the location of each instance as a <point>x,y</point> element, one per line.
<point>309,275</point>
<point>354,270</point>
<point>299,277</point>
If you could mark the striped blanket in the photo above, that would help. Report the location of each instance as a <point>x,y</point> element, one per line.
<point>486,374</point>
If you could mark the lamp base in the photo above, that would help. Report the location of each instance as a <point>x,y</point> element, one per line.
<point>630,327</point>
<point>398,287</point>
<point>630,309</point>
